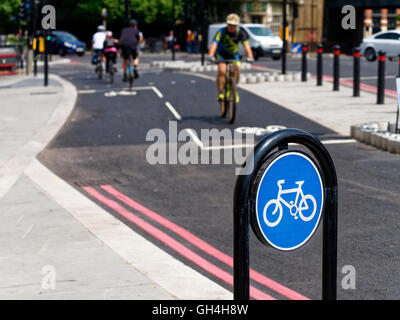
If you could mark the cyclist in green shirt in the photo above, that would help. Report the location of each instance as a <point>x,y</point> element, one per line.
<point>225,46</point>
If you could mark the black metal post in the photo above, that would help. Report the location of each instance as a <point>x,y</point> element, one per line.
<point>173,30</point>
<point>127,15</point>
<point>304,62</point>
<point>241,221</point>
<point>336,67</point>
<point>284,27</point>
<point>381,77</point>
<point>46,61</point>
<point>320,51</point>
<point>35,54</point>
<point>356,72</point>
<point>244,209</point>
<point>204,25</point>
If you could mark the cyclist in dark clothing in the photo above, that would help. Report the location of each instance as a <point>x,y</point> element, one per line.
<point>128,41</point>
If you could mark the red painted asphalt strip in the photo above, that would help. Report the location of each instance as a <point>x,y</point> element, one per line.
<point>202,244</point>
<point>172,243</point>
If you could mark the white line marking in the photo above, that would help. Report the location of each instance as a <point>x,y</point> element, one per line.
<point>338,141</point>
<point>174,112</point>
<point>86,91</point>
<point>27,231</point>
<point>195,138</point>
<point>157,92</point>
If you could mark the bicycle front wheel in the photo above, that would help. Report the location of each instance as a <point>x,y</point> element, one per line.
<point>231,106</point>
<point>308,206</point>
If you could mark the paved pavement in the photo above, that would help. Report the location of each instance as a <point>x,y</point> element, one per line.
<point>58,244</point>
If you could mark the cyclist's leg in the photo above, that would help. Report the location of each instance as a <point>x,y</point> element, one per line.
<point>125,57</point>
<point>236,67</point>
<point>221,80</point>
<point>135,62</point>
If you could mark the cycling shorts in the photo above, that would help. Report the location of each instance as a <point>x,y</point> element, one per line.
<point>127,51</point>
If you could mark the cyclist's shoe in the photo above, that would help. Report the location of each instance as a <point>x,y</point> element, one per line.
<point>220,96</point>
<point>135,73</point>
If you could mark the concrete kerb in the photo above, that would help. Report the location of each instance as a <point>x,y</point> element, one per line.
<point>252,78</point>
<point>378,135</point>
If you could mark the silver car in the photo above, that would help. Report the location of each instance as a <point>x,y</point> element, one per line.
<point>386,41</point>
<point>263,41</point>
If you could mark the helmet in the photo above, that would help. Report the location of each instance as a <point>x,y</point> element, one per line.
<point>233,19</point>
<point>133,22</point>
<point>101,28</point>
<point>109,34</point>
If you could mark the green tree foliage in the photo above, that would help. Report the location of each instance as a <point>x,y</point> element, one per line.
<point>9,15</point>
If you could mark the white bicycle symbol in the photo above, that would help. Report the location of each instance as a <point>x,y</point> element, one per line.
<point>298,206</point>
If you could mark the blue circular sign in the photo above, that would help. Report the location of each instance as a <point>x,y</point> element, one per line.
<point>289,201</point>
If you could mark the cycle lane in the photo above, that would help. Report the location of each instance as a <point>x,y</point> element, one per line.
<point>164,188</point>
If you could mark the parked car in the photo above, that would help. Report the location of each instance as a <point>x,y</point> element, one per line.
<point>262,40</point>
<point>63,43</point>
<point>387,41</point>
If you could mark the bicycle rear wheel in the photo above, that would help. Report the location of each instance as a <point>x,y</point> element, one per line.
<point>111,71</point>
<point>130,77</point>
<point>99,72</point>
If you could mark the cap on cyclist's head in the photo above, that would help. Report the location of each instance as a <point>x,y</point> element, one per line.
<point>132,22</point>
<point>233,19</point>
<point>101,28</point>
<point>109,34</point>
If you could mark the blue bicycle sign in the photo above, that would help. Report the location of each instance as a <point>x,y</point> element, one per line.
<point>289,200</point>
<point>302,203</point>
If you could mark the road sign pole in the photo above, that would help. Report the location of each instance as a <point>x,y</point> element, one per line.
<point>246,196</point>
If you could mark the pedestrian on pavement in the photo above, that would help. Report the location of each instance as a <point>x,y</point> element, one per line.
<point>189,41</point>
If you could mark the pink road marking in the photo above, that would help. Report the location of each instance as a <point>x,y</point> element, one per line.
<point>173,244</point>
<point>289,293</point>
<point>364,86</point>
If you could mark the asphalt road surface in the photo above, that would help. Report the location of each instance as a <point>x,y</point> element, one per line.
<point>187,209</point>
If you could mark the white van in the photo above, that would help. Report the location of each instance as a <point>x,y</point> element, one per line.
<point>262,40</point>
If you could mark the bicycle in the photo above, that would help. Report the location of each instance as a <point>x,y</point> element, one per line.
<point>298,206</point>
<point>130,73</point>
<point>98,65</point>
<point>228,104</point>
<point>110,61</point>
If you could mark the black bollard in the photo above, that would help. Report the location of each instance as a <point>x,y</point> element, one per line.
<point>304,62</point>
<point>381,77</point>
<point>336,67</point>
<point>320,51</point>
<point>356,72</point>
<point>46,63</point>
